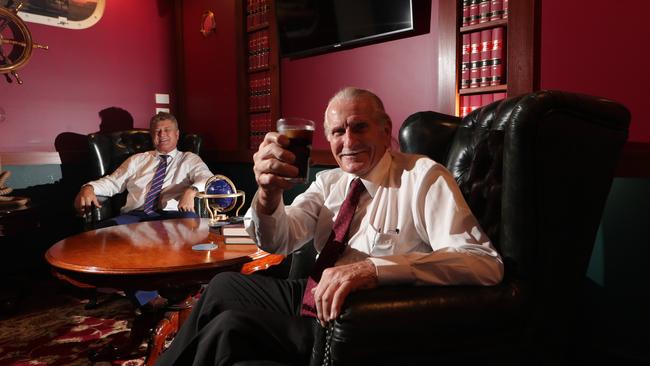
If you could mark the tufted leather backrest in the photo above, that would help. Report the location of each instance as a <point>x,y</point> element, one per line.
<point>109,150</point>
<point>530,166</point>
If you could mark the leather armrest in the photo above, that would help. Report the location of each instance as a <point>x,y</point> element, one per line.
<point>100,213</point>
<point>433,304</point>
<point>393,322</point>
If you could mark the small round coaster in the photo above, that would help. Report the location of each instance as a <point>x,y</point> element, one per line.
<point>208,246</point>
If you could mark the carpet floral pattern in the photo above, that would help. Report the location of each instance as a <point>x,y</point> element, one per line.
<point>63,333</point>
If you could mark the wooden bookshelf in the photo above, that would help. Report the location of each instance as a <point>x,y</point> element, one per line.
<point>260,105</point>
<point>520,51</point>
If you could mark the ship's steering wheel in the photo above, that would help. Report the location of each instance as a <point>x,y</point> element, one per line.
<point>15,43</point>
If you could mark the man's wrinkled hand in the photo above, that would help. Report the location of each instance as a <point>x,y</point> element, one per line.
<point>186,203</point>
<point>85,199</point>
<point>273,163</point>
<point>337,282</point>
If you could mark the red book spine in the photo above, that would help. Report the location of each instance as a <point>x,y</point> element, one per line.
<point>267,91</point>
<point>464,105</point>
<point>484,11</point>
<point>466,16</point>
<point>474,102</point>
<point>505,9</point>
<point>486,53</point>
<point>258,50</point>
<point>473,12</point>
<point>465,66</point>
<point>264,12</point>
<point>487,99</point>
<point>496,9</point>
<point>497,57</point>
<point>257,12</point>
<point>475,58</point>
<point>265,49</point>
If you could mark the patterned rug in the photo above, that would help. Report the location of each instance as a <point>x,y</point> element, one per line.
<point>63,331</point>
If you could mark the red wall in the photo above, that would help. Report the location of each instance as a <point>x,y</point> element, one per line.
<point>599,47</point>
<point>121,61</point>
<point>402,72</point>
<point>210,74</point>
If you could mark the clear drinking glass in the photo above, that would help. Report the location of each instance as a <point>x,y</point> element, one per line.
<point>300,132</point>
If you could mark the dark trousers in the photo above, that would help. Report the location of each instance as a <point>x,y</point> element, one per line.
<point>241,318</point>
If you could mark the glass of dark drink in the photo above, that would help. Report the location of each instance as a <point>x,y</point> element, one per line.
<point>300,132</point>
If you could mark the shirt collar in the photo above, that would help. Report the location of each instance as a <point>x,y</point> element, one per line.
<point>376,176</point>
<point>171,154</point>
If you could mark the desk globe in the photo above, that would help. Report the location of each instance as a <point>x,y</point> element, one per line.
<point>221,197</point>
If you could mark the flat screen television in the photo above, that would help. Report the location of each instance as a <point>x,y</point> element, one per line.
<point>307,27</point>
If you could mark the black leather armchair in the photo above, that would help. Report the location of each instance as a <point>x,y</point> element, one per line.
<point>109,150</point>
<point>536,170</point>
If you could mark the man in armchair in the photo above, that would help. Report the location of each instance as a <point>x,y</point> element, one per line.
<point>161,184</point>
<point>381,218</point>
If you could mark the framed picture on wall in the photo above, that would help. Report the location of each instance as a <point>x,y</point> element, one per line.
<point>72,14</point>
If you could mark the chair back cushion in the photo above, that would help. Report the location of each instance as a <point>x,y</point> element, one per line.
<point>529,167</point>
<point>110,150</point>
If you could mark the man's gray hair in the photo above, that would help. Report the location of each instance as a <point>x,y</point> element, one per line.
<point>352,93</point>
<point>161,116</point>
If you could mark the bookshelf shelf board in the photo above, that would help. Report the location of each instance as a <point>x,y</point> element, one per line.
<point>484,89</point>
<point>259,110</point>
<point>259,69</point>
<point>486,25</point>
<point>257,27</point>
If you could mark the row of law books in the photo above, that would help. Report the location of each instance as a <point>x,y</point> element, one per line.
<point>236,234</point>
<point>472,102</point>
<point>482,58</point>
<point>260,124</point>
<point>257,13</point>
<point>259,92</point>
<point>259,49</point>
<point>483,11</point>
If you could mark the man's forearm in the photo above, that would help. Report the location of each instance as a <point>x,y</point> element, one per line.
<point>267,202</point>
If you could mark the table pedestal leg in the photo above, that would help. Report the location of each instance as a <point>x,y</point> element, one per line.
<point>157,324</point>
<point>167,328</point>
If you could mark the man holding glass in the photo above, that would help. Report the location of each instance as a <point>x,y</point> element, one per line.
<point>381,218</point>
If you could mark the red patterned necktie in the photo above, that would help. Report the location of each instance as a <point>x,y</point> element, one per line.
<point>334,247</point>
<point>153,195</point>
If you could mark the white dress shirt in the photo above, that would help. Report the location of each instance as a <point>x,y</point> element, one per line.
<point>413,223</point>
<point>184,169</point>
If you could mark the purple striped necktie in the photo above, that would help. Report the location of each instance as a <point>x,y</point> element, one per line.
<point>153,195</point>
<point>334,247</point>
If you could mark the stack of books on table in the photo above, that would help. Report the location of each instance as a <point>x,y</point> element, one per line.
<point>235,234</point>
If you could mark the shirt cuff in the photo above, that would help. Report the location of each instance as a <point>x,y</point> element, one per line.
<point>391,272</point>
<point>262,223</point>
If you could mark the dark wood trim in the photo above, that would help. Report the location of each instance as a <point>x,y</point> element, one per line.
<point>486,25</point>
<point>522,53</point>
<point>447,55</point>
<point>257,27</point>
<point>484,89</point>
<point>30,158</point>
<point>241,50</point>
<point>274,65</point>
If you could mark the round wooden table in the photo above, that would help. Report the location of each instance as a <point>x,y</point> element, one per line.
<point>168,256</point>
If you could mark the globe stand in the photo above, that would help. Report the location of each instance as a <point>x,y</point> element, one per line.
<point>217,212</point>
<point>219,198</point>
